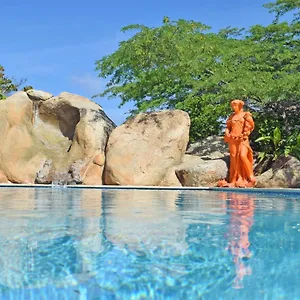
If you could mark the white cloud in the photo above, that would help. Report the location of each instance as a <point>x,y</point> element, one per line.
<point>90,83</point>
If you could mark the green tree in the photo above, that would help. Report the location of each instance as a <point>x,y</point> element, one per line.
<point>181,64</point>
<point>281,7</point>
<point>281,107</point>
<point>6,85</point>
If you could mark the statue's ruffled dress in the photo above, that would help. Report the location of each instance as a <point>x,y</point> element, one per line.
<point>238,128</point>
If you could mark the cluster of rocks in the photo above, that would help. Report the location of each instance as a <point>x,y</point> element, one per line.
<point>45,138</point>
<point>69,139</point>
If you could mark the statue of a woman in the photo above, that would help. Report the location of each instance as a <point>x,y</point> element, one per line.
<point>238,128</point>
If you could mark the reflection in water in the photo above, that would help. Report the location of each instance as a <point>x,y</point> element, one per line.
<point>57,236</point>
<point>48,236</point>
<point>241,210</point>
<point>61,243</point>
<point>144,221</point>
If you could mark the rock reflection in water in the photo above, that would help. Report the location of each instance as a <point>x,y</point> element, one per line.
<point>145,221</point>
<point>48,236</point>
<point>125,242</point>
<point>59,236</point>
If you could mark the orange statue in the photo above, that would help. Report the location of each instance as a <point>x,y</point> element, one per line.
<point>238,128</point>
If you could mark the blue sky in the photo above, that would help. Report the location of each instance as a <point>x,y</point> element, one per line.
<point>54,44</point>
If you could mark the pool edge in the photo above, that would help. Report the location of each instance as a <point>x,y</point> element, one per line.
<point>132,187</point>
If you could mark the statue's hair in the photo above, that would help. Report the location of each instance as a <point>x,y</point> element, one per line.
<point>239,102</point>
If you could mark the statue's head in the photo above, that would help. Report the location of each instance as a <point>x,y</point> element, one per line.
<point>237,105</point>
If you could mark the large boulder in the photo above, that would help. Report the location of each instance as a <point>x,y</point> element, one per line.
<point>43,137</point>
<point>205,163</point>
<point>284,173</point>
<point>195,171</point>
<point>212,147</point>
<point>140,151</point>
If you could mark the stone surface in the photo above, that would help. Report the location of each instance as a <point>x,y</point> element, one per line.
<point>284,173</point>
<point>40,140</point>
<point>45,174</point>
<point>195,171</point>
<point>170,179</point>
<point>262,166</point>
<point>140,151</point>
<point>3,178</point>
<point>212,147</point>
<point>37,95</point>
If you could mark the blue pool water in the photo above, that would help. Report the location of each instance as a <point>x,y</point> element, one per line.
<point>61,243</point>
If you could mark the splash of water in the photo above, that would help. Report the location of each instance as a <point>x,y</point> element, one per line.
<point>61,180</point>
<point>58,184</point>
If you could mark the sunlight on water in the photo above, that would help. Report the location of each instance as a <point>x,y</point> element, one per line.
<point>62,243</point>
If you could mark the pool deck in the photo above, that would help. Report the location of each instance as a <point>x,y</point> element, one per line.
<point>295,191</point>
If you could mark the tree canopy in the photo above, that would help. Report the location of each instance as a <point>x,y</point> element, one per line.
<point>184,65</point>
<point>6,84</point>
<point>9,85</point>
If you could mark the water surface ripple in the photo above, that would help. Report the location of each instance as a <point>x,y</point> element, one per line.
<point>61,243</point>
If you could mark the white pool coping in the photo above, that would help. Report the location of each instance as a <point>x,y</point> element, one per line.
<point>171,188</point>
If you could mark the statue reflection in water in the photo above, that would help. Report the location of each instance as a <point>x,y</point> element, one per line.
<point>241,208</point>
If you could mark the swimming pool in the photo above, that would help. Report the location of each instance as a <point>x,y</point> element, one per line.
<point>65,243</point>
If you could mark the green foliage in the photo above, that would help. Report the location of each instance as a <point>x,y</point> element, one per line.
<point>276,144</point>
<point>279,129</point>
<point>293,148</point>
<point>182,65</point>
<point>6,84</point>
<point>281,7</point>
<point>272,144</point>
